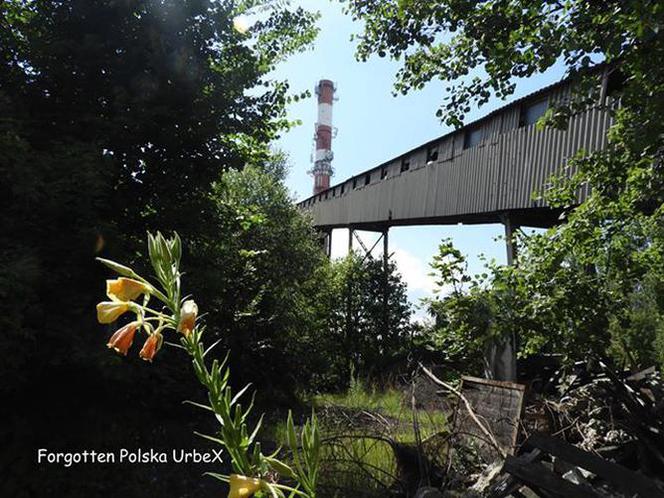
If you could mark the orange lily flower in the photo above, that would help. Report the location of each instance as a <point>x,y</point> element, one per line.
<point>122,339</point>
<point>125,289</point>
<point>109,311</point>
<point>242,486</point>
<point>188,315</point>
<point>151,346</point>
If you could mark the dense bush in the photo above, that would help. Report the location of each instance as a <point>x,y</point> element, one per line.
<point>363,324</point>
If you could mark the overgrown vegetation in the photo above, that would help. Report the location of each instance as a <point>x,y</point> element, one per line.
<point>118,117</point>
<point>359,396</point>
<point>366,328</point>
<point>252,471</point>
<point>372,436</point>
<point>590,285</point>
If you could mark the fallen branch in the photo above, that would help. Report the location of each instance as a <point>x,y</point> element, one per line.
<point>469,409</point>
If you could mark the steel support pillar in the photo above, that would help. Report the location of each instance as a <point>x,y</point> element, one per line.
<point>328,244</point>
<point>386,249</point>
<point>384,236</point>
<point>325,237</point>
<point>500,357</point>
<point>509,240</point>
<point>386,287</point>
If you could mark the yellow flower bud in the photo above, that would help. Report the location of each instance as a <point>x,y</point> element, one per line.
<point>188,314</point>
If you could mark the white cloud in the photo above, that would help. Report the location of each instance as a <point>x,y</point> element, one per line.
<point>415,272</point>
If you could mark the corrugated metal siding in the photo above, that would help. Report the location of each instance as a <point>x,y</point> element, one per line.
<point>499,174</point>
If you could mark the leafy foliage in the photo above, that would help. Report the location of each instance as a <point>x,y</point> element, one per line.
<point>580,288</point>
<point>367,327</point>
<point>176,315</point>
<point>467,315</point>
<point>116,117</point>
<point>478,48</point>
<point>263,284</point>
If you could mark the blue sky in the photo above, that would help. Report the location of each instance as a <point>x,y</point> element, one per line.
<point>373,126</point>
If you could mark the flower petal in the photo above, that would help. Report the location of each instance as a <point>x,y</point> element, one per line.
<point>125,289</point>
<point>109,311</point>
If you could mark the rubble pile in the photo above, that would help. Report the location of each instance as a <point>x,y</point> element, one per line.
<point>589,428</point>
<point>593,432</point>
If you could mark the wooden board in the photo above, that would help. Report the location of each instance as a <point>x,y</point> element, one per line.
<point>629,482</point>
<point>537,476</point>
<point>498,405</point>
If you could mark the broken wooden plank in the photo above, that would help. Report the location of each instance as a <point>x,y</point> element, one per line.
<point>498,405</point>
<point>539,477</point>
<point>616,475</point>
<point>641,375</point>
<point>507,484</point>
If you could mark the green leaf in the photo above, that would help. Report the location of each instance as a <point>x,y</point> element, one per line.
<point>280,467</point>
<point>220,477</point>
<point>125,271</point>
<point>211,438</point>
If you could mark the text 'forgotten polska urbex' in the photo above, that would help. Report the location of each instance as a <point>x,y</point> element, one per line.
<point>124,456</point>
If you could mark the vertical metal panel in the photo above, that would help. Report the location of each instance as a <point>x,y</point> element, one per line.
<point>446,148</point>
<point>511,118</point>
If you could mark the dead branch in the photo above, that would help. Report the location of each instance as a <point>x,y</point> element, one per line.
<point>469,409</point>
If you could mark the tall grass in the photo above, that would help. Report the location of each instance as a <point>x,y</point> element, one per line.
<point>367,466</point>
<point>389,402</point>
<point>361,396</point>
<point>361,460</point>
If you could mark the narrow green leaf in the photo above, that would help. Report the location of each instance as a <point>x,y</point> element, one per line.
<point>256,429</point>
<point>123,270</point>
<point>280,467</point>
<point>221,477</point>
<point>199,405</point>
<point>239,394</point>
<point>210,438</point>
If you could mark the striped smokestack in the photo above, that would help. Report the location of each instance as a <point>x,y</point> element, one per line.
<point>322,170</point>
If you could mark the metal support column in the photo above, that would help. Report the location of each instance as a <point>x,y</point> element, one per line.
<point>325,238</point>
<point>386,249</point>
<point>500,358</point>
<point>509,240</point>
<point>386,287</point>
<point>328,244</point>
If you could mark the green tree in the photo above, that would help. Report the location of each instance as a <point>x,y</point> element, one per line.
<point>579,281</point>
<point>478,48</point>
<point>471,312</point>
<point>260,276</point>
<point>367,326</point>
<point>116,117</point>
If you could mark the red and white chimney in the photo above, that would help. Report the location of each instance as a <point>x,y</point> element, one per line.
<point>322,170</point>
